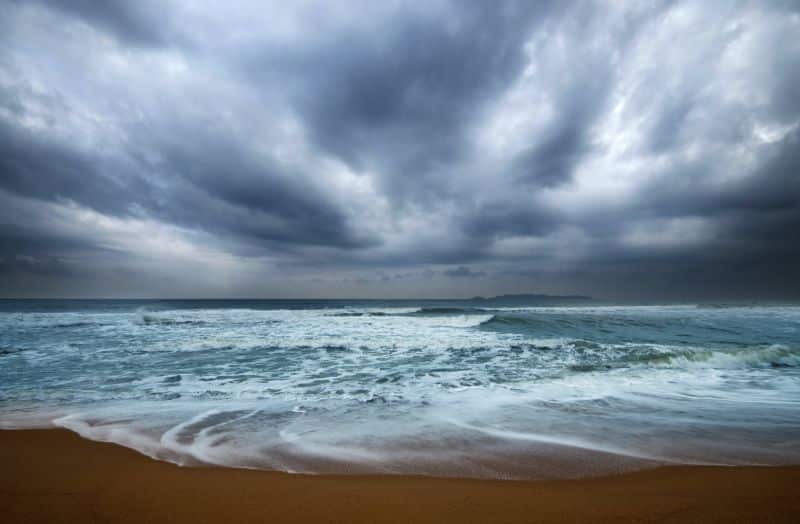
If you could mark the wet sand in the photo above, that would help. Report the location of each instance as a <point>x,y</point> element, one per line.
<point>55,476</point>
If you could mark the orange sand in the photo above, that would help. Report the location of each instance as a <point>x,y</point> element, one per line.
<point>55,476</point>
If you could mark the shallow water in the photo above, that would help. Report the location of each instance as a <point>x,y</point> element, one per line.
<point>444,388</point>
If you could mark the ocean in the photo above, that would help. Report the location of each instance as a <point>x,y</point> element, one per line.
<point>448,388</point>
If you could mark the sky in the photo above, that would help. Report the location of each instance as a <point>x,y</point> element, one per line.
<point>189,148</point>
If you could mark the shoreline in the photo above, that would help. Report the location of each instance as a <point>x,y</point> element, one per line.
<point>54,475</point>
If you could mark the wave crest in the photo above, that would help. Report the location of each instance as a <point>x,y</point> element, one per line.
<point>150,320</point>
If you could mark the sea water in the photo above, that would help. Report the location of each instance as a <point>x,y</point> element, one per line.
<point>418,387</point>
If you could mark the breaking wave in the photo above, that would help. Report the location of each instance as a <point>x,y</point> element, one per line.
<point>156,320</point>
<point>403,387</point>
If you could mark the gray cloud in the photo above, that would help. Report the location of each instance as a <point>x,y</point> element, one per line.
<point>639,150</point>
<point>465,272</point>
<point>251,197</point>
<point>136,23</point>
<point>40,168</point>
<point>398,99</point>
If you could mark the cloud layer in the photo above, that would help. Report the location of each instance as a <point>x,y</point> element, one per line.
<point>314,149</point>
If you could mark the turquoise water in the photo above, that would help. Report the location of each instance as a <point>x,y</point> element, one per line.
<point>446,388</point>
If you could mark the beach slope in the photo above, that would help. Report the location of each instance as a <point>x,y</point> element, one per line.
<point>55,476</point>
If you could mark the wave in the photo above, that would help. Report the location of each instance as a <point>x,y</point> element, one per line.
<point>67,325</point>
<point>360,314</point>
<point>501,319</point>
<point>5,351</point>
<point>167,321</point>
<point>764,357</point>
<point>506,320</point>
<point>421,312</point>
<point>432,311</point>
<point>773,356</point>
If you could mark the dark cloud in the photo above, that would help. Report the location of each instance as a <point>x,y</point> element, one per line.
<point>137,23</point>
<point>580,96</point>
<point>552,161</point>
<point>398,100</point>
<point>28,265</point>
<point>16,239</point>
<point>499,220</point>
<point>665,129</point>
<point>463,272</point>
<point>205,182</point>
<point>645,150</point>
<point>37,167</point>
<point>260,199</point>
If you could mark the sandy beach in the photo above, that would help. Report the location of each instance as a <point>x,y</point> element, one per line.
<point>55,476</point>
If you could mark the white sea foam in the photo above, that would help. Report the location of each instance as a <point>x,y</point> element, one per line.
<point>418,389</point>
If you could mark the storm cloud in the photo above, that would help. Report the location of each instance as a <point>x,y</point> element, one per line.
<point>626,150</point>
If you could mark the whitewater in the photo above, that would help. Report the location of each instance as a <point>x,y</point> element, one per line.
<point>448,388</point>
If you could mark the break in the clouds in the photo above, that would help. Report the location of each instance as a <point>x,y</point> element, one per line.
<point>184,148</point>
